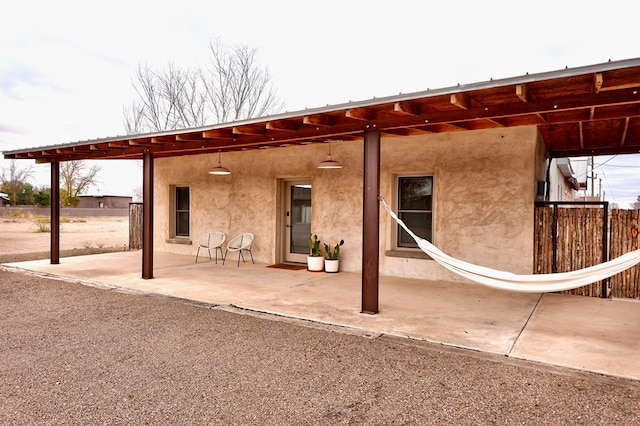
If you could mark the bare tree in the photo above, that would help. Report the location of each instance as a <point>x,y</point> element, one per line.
<point>75,179</point>
<point>233,86</point>
<point>14,180</point>
<point>636,205</point>
<point>236,87</point>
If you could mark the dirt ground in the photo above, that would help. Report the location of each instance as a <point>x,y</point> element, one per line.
<point>24,235</point>
<point>73,354</point>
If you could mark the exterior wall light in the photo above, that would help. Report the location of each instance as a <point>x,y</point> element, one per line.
<point>219,170</point>
<point>329,163</point>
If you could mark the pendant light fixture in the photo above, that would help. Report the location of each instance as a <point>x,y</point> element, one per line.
<point>329,163</point>
<point>219,170</point>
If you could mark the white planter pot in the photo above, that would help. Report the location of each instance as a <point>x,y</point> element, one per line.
<point>315,263</point>
<point>331,265</point>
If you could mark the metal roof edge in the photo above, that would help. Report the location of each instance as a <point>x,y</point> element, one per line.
<point>526,78</point>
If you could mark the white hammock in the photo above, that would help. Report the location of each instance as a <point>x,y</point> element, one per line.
<point>532,283</point>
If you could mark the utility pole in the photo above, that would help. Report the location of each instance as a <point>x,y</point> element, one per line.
<point>592,177</point>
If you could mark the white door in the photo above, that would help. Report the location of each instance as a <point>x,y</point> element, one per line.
<point>297,212</point>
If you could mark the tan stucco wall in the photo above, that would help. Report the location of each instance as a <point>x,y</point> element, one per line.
<point>484,193</point>
<point>484,189</point>
<point>246,200</point>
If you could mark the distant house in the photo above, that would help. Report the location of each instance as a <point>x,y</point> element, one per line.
<point>4,199</point>
<point>105,201</point>
<point>566,178</point>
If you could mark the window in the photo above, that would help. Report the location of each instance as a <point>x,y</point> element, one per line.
<point>182,211</point>
<point>415,208</point>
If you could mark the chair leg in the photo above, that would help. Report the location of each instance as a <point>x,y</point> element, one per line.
<point>240,254</point>
<point>251,253</point>
<point>224,258</point>
<point>197,253</point>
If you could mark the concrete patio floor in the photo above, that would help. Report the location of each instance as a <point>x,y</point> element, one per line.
<point>590,334</point>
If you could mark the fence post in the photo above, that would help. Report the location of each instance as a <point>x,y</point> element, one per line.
<point>135,226</point>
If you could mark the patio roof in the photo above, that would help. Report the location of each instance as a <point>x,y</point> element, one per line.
<point>591,110</point>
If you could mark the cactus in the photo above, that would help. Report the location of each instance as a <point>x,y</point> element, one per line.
<point>314,245</point>
<point>336,250</point>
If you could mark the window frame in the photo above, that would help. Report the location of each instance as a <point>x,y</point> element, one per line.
<point>403,250</point>
<point>176,212</point>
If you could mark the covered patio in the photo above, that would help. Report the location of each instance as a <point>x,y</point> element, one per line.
<point>598,335</point>
<point>590,110</point>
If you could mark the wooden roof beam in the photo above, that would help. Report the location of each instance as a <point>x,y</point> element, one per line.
<point>318,120</point>
<point>218,134</point>
<point>64,151</point>
<point>135,142</point>
<point>461,100</point>
<point>282,125</point>
<point>522,92</point>
<point>119,144</point>
<point>406,108</point>
<point>102,147</point>
<point>249,130</point>
<point>365,114</point>
<point>581,135</point>
<point>597,82</point>
<point>159,140</point>
<point>623,138</point>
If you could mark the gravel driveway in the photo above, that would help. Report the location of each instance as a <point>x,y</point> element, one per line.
<point>71,354</point>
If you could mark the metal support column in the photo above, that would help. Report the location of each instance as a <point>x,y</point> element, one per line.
<point>147,216</point>
<point>55,213</point>
<point>371,222</point>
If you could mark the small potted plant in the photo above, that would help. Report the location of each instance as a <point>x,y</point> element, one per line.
<point>331,262</point>
<point>315,260</point>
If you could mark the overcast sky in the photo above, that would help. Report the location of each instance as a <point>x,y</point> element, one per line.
<point>66,66</point>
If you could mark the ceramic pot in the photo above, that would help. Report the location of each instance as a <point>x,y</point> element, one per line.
<point>331,265</point>
<point>315,263</point>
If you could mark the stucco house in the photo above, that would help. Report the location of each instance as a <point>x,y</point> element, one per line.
<point>566,179</point>
<point>462,166</point>
<point>104,201</point>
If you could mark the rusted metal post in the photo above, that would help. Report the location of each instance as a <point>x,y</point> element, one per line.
<point>55,212</point>
<point>371,222</point>
<point>147,216</point>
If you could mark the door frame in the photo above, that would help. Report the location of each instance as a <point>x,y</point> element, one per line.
<point>281,218</point>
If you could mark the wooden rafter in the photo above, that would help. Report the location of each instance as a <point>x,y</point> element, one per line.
<point>623,137</point>
<point>522,92</point>
<point>461,100</point>
<point>364,114</point>
<point>249,130</point>
<point>597,82</point>
<point>218,134</point>
<point>318,120</point>
<point>595,101</point>
<point>282,125</point>
<point>406,108</point>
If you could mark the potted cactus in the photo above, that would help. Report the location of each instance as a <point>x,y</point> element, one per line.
<point>315,260</point>
<point>332,262</point>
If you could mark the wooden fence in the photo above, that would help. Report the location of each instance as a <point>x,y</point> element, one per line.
<point>624,238</point>
<point>135,226</point>
<point>571,238</point>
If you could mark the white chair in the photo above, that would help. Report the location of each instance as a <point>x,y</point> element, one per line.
<point>211,241</point>
<point>240,243</point>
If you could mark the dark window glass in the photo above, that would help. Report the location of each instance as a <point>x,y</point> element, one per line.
<point>415,208</point>
<point>182,211</point>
